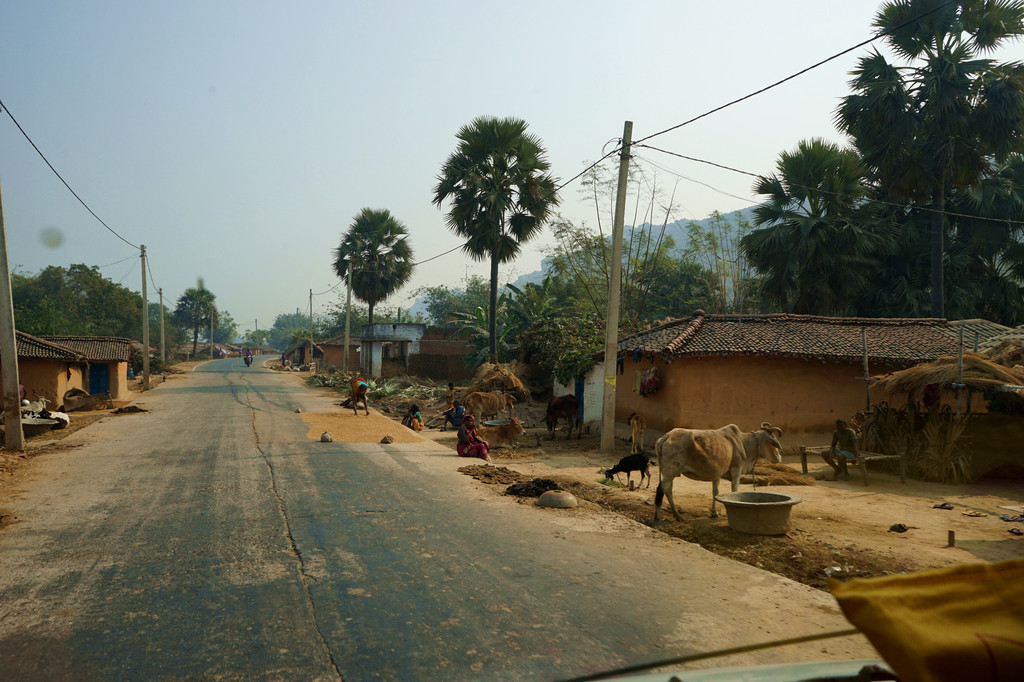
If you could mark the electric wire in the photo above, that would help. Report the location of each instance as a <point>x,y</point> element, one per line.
<point>59,177</point>
<point>918,207</point>
<point>859,45</point>
<point>117,262</point>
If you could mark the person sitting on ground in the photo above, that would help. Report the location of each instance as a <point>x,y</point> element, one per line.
<point>846,439</point>
<point>470,443</point>
<point>413,419</point>
<point>453,415</point>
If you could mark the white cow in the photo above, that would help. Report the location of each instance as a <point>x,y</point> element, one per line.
<point>709,455</point>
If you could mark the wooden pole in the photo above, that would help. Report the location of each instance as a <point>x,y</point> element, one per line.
<point>145,322</point>
<point>867,375</point>
<point>14,438</point>
<point>611,334</point>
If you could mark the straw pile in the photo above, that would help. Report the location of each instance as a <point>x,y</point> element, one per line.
<point>772,473</point>
<point>497,378</point>
<point>1009,352</point>
<point>979,374</point>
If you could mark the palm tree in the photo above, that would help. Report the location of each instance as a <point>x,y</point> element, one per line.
<point>500,194</point>
<point>811,243</point>
<point>377,250</point>
<point>195,309</point>
<point>937,124</point>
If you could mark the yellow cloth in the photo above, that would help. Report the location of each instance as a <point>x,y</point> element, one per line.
<point>961,623</point>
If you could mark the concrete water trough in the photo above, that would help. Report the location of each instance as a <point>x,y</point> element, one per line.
<point>758,513</point>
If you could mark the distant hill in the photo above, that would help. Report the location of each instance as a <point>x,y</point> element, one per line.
<point>677,230</point>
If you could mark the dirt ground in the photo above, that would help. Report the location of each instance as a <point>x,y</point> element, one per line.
<point>840,529</point>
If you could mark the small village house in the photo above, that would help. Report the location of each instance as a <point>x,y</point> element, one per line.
<point>48,370</point>
<point>799,372</point>
<point>108,359</point>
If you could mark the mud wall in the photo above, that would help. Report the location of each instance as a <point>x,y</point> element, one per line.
<point>793,394</point>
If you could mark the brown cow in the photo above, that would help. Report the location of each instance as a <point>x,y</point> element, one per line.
<point>637,430</point>
<point>564,407</point>
<point>502,434</point>
<point>483,405</point>
<point>709,455</point>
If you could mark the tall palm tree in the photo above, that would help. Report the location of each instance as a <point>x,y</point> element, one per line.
<point>377,250</point>
<point>195,309</point>
<point>811,242</point>
<point>500,194</point>
<point>937,123</point>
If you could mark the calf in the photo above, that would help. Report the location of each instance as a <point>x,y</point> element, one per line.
<point>502,434</point>
<point>564,407</point>
<point>709,455</point>
<point>629,464</point>
<point>637,430</point>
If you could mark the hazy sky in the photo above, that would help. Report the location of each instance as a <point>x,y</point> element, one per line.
<point>237,140</point>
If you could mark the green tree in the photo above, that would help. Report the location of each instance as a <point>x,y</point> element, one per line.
<point>500,193</point>
<point>226,328</point>
<point>194,310</point>
<point>75,300</point>
<point>937,123</point>
<point>377,251</point>
<point>443,302</point>
<point>284,325</point>
<point>811,243</point>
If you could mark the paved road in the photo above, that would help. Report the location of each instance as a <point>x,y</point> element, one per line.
<point>210,538</point>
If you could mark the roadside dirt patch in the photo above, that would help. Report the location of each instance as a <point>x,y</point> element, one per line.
<point>361,428</point>
<point>493,475</point>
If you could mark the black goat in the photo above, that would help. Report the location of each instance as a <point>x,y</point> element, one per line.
<point>629,464</point>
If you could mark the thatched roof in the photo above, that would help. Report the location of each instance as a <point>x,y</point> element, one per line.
<point>979,374</point>
<point>490,377</point>
<point>1009,352</point>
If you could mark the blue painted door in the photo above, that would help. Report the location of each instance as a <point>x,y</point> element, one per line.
<point>579,394</point>
<point>99,379</point>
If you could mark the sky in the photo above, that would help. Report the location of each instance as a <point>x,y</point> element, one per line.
<point>238,140</point>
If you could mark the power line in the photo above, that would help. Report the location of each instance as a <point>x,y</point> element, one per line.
<point>819,190</point>
<point>800,73</point>
<point>117,262</point>
<point>59,177</point>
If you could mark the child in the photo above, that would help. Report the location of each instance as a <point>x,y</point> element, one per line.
<point>413,419</point>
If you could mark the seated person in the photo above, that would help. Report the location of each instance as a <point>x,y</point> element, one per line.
<point>846,439</point>
<point>413,419</point>
<point>453,415</point>
<point>470,442</point>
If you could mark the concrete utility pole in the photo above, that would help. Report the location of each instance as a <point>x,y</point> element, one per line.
<point>14,439</point>
<point>145,322</point>
<point>310,361</point>
<point>211,334</point>
<point>348,311</point>
<point>163,346</point>
<point>611,333</point>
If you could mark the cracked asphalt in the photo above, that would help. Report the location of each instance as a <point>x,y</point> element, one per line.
<point>209,538</point>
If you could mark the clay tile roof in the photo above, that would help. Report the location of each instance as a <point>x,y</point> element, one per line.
<point>898,340</point>
<point>29,346</point>
<point>96,348</point>
<point>983,330</point>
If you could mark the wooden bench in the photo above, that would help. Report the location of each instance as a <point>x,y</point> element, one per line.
<point>861,462</point>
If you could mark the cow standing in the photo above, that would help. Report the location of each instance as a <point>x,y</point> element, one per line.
<point>564,407</point>
<point>483,404</point>
<point>709,455</point>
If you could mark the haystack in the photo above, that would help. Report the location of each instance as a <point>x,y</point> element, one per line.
<point>492,377</point>
<point>980,374</point>
<point>1008,352</point>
